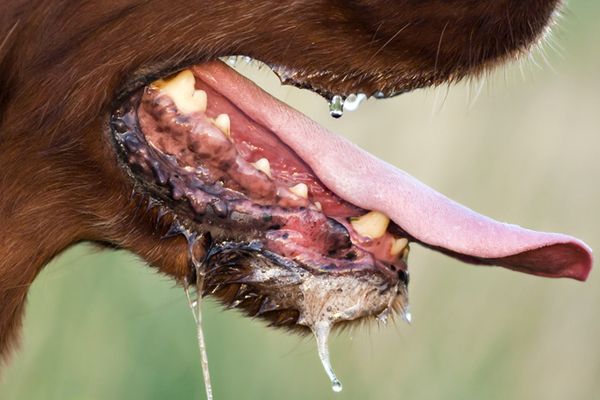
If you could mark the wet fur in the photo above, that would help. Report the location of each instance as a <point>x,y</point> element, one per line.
<point>64,63</point>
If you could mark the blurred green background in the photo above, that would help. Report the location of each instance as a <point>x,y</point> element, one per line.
<point>102,325</point>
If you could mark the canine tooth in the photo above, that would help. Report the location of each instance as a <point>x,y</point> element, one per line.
<point>201,99</point>
<point>398,245</point>
<point>264,166</point>
<point>372,225</point>
<point>223,123</point>
<point>180,89</point>
<point>300,190</point>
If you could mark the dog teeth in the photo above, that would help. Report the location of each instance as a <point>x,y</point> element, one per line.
<point>318,206</point>
<point>200,98</point>
<point>264,166</point>
<point>405,252</point>
<point>181,89</point>
<point>224,124</point>
<point>300,190</point>
<point>398,245</point>
<point>371,225</point>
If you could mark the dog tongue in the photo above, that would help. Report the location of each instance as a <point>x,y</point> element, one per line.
<point>429,217</point>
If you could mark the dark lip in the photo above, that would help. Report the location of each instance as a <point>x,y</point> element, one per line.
<point>232,285</point>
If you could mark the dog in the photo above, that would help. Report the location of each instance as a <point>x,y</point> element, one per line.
<point>68,72</point>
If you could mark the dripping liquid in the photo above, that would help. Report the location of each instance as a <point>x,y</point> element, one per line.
<point>195,304</point>
<point>321,331</point>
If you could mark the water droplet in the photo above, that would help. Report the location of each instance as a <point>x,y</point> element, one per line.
<point>407,316</point>
<point>336,386</point>
<point>232,60</point>
<point>353,101</point>
<point>336,106</point>
<point>321,331</point>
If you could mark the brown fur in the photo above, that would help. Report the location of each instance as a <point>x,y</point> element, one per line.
<point>63,64</point>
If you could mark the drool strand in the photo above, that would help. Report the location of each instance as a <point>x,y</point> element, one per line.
<point>321,331</point>
<point>196,307</point>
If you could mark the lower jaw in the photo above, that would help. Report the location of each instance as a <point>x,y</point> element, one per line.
<point>288,295</point>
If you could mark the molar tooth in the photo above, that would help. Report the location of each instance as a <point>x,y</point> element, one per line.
<point>300,190</point>
<point>180,88</point>
<point>223,123</point>
<point>371,225</point>
<point>264,166</point>
<point>398,245</point>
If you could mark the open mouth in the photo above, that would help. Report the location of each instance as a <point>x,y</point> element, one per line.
<point>298,225</point>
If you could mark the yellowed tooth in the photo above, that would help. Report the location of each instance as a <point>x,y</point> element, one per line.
<point>200,98</point>
<point>398,246</point>
<point>405,252</point>
<point>300,190</point>
<point>372,225</point>
<point>264,166</point>
<point>181,89</point>
<point>224,124</point>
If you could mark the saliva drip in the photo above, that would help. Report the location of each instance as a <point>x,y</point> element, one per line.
<point>339,104</point>
<point>353,101</point>
<point>321,331</point>
<point>336,106</point>
<point>195,305</point>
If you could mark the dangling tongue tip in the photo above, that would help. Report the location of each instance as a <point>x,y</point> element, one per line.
<point>566,259</point>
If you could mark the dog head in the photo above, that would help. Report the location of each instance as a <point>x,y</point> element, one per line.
<point>79,81</point>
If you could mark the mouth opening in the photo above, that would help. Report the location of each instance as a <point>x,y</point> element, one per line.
<point>302,224</point>
<point>283,246</point>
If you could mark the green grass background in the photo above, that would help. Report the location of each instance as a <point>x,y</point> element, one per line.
<point>102,325</point>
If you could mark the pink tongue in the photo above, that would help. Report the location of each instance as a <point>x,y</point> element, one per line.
<point>370,183</point>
